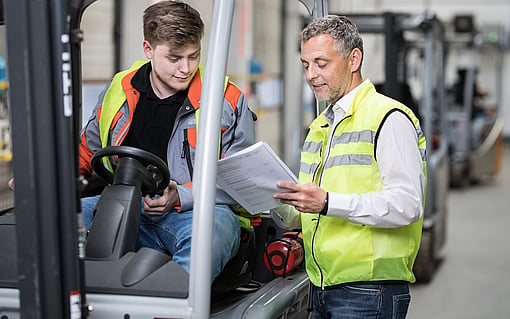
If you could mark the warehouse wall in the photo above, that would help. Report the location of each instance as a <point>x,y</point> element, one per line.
<point>259,36</point>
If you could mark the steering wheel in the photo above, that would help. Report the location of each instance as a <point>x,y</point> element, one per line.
<point>155,167</point>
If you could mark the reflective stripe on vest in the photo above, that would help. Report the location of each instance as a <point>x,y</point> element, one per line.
<point>114,99</point>
<point>197,113</point>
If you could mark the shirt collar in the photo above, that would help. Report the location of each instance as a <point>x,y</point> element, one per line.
<point>345,101</point>
<point>141,80</point>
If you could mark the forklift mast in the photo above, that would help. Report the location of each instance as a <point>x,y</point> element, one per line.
<point>45,163</point>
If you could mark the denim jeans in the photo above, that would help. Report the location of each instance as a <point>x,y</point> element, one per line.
<point>362,300</point>
<point>171,234</point>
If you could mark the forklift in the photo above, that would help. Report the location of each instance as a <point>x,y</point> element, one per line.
<point>475,122</point>
<point>50,268</point>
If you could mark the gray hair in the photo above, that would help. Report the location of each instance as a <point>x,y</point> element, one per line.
<point>344,32</point>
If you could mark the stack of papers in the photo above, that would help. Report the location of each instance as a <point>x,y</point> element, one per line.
<point>249,176</point>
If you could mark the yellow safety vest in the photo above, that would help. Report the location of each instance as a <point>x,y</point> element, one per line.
<point>339,251</point>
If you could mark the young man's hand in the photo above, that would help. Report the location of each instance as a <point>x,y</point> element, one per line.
<point>11,184</point>
<point>159,205</point>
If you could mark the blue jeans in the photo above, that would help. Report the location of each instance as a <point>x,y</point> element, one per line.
<point>171,233</point>
<point>362,300</point>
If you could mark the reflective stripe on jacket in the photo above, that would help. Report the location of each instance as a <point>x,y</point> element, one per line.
<point>339,251</point>
<point>113,114</point>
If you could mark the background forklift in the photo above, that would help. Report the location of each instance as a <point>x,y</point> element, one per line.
<point>475,122</point>
<point>45,271</point>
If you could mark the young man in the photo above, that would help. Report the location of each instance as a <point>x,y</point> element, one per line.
<point>154,106</point>
<point>362,183</point>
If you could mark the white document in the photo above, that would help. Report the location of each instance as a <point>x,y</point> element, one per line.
<point>249,176</point>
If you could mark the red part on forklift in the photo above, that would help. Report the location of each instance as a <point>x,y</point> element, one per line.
<point>282,256</point>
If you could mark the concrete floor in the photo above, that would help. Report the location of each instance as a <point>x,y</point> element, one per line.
<point>473,278</point>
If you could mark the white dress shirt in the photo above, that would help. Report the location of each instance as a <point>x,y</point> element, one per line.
<point>400,202</point>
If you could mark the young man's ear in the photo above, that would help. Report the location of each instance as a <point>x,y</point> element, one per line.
<point>147,49</point>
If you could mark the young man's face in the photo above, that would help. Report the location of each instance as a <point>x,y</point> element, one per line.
<point>172,68</point>
<point>327,73</point>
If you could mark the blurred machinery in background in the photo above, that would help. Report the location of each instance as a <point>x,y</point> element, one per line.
<point>5,144</point>
<point>6,196</point>
<point>475,123</point>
